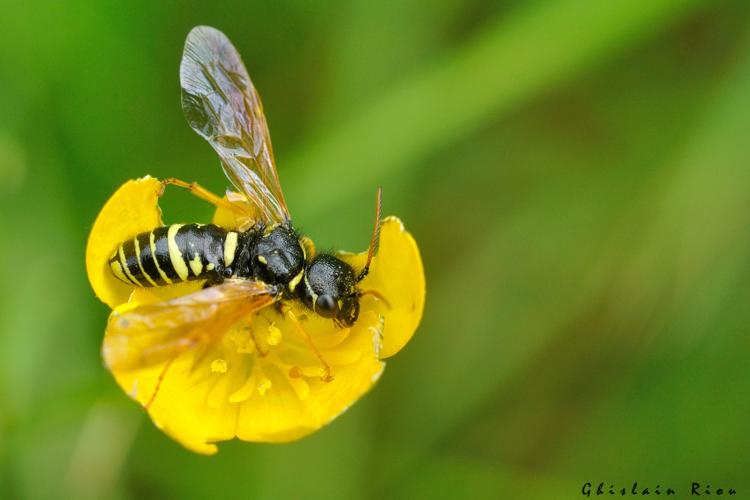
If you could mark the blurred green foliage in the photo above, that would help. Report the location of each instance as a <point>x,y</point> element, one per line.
<point>576,173</point>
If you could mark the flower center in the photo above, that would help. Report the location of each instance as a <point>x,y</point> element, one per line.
<point>273,351</point>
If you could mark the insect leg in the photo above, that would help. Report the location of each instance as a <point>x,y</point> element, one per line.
<point>213,281</point>
<point>158,382</point>
<point>377,295</point>
<point>190,342</point>
<point>202,193</point>
<point>328,377</point>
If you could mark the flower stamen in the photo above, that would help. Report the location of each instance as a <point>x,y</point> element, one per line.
<point>261,352</point>
<point>273,334</point>
<point>242,341</point>
<point>264,385</point>
<point>218,365</point>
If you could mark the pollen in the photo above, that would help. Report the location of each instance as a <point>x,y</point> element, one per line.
<point>273,336</point>
<point>218,366</point>
<point>264,385</point>
<point>243,342</point>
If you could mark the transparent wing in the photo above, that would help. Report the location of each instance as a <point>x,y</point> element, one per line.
<point>222,106</point>
<point>156,333</point>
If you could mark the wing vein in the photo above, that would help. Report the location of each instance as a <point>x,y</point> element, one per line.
<point>221,104</point>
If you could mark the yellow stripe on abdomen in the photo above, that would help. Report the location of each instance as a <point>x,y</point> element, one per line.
<point>175,256</point>
<point>124,265</point>
<point>117,270</point>
<point>137,247</point>
<point>152,244</point>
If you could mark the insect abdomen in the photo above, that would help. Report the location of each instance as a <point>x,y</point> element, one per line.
<point>173,254</point>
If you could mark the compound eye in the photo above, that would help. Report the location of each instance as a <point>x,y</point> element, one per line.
<point>326,306</point>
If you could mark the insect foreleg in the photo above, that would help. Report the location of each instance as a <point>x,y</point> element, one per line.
<point>328,377</point>
<point>377,295</point>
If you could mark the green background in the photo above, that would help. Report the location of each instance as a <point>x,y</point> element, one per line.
<point>577,175</point>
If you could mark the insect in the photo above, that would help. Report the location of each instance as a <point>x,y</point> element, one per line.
<point>266,263</point>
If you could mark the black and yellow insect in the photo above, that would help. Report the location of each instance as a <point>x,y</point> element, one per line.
<point>244,270</point>
<point>187,252</point>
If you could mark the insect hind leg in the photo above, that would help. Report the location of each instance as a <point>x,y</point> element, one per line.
<point>200,192</point>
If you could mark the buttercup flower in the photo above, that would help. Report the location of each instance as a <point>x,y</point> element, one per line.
<point>260,380</point>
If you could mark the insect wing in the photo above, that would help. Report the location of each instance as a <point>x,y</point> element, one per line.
<point>157,333</point>
<point>221,104</point>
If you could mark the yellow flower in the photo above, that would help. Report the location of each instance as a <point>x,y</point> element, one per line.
<point>259,381</point>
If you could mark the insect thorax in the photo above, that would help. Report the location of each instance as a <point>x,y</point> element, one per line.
<point>273,255</point>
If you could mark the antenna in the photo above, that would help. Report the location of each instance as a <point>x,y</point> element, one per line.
<point>375,240</point>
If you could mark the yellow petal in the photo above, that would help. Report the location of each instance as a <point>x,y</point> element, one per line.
<point>159,294</point>
<point>131,210</point>
<point>240,219</point>
<point>190,405</point>
<point>255,398</point>
<point>396,274</point>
